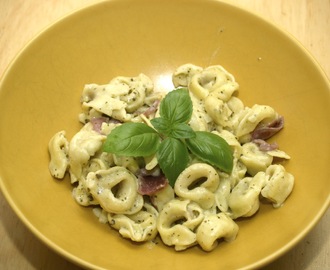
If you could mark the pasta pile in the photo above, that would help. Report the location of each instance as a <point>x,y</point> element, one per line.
<point>201,207</point>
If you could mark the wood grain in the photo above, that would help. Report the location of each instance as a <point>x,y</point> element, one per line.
<point>308,21</point>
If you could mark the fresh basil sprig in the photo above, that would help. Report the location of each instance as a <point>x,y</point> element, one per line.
<point>171,140</point>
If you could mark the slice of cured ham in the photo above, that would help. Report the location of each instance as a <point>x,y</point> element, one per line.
<point>264,132</point>
<point>151,181</point>
<point>265,146</point>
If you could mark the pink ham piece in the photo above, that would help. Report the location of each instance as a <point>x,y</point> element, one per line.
<point>264,132</point>
<point>98,121</point>
<point>151,182</point>
<point>265,146</point>
<point>152,109</point>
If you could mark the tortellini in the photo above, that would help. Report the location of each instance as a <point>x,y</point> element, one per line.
<point>215,227</point>
<point>213,78</point>
<point>115,189</point>
<point>246,120</point>
<point>183,74</point>
<point>82,147</point>
<point>177,223</point>
<point>139,227</point>
<point>118,99</point>
<point>203,205</point>
<point>198,183</point>
<point>278,186</point>
<point>243,200</point>
<point>58,149</point>
<point>254,159</point>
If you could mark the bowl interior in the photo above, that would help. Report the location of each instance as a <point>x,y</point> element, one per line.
<point>40,95</point>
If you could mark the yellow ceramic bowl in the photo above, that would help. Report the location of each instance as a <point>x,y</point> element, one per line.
<point>40,94</point>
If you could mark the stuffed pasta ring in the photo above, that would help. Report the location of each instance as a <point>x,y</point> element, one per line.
<point>116,190</point>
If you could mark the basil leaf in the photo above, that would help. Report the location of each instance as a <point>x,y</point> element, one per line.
<point>132,139</point>
<point>176,106</point>
<point>181,131</point>
<point>173,158</point>
<point>212,149</point>
<point>161,124</point>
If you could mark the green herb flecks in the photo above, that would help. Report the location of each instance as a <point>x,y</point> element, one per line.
<point>171,139</point>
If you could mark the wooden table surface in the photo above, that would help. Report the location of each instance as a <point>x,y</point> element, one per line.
<point>21,20</point>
